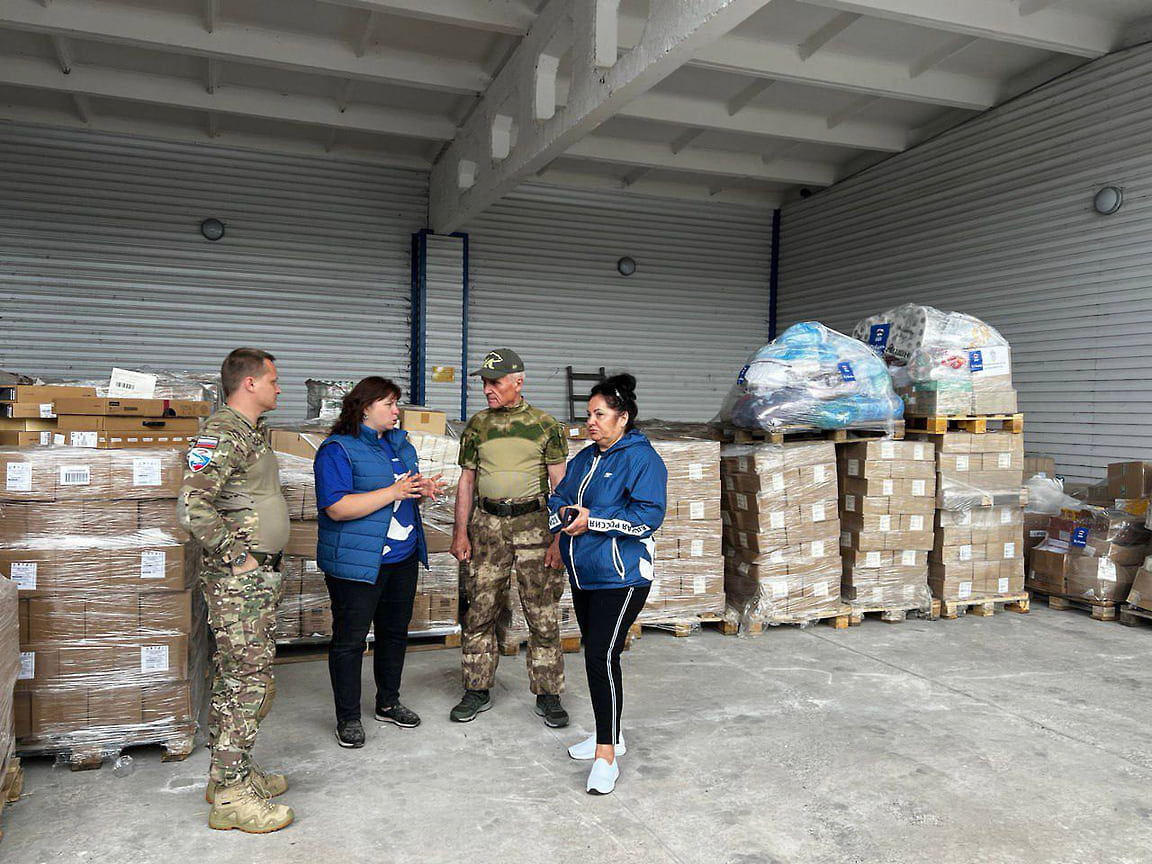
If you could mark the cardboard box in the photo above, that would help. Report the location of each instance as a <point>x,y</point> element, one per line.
<point>8,424</point>
<point>302,539</point>
<point>161,515</point>
<point>145,476</point>
<point>1049,569</point>
<point>414,418</point>
<point>1099,578</point>
<point>302,444</point>
<point>1034,465</point>
<point>104,407</point>
<point>1129,480</point>
<point>1140,594</point>
<point>576,432</point>
<point>43,392</point>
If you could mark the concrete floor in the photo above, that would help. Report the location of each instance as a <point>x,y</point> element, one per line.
<point>1013,738</point>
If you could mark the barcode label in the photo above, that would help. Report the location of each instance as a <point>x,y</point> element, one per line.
<point>153,658</point>
<point>24,575</point>
<point>47,410</point>
<point>152,564</point>
<point>83,439</point>
<point>45,439</point>
<point>27,666</point>
<point>1009,550</point>
<point>125,382</point>
<point>1002,586</point>
<point>695,471</point>
<point>1004,460</point>
<point>146,472</point>
<point>19,477</point>
<point>696,510</point>
<point>76,475</point>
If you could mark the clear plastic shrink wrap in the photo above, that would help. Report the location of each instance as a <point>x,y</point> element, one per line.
<point>813,377</point>
<point>942,362</point>
<point>887,503</point>
<point>9,668</point>
<point>1045,498</point>
<point>782,533</point>
<point>1140,594</point>
<point>1090,553</point>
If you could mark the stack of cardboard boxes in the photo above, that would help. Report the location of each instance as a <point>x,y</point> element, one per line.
<point>9,671</point>
<point>782,533</point>
<point>28,413</point>
<point>1091,554</point>
<point>978,550</point>
<point>887,502</point>
<point>113,644</point>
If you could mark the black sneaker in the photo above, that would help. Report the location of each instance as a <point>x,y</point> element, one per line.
<point>473,703</point>
<point>350,733</point>
<point>398,714</point>
<point>552,711</point>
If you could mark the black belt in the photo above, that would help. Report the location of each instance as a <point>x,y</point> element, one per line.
<point>268,559</point>
<point>510,508</point>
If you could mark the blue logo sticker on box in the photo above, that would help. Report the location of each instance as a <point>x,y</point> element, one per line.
<point>846,372</point>
<point>878,335</point>
<point>1080,537</point>
<point>742,378</point>
<point>975,361</point>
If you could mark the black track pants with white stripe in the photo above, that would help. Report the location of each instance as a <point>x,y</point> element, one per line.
<point>605,617</point>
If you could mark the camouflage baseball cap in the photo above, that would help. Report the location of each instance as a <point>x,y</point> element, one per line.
<point>498,363</point>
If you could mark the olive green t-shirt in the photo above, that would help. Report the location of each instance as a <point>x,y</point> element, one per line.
<point>510,449</point>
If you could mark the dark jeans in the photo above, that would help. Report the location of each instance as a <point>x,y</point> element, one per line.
<point>356,606</point>
<point>605,617</point>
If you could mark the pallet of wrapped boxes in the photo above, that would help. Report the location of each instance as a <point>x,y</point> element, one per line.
<point>11,775</point>
<point>887,504</point>
<point>111,423</point>
<point>304,616</point>
<point>114,646</point>
<point>782,561</point>
<point>977,559</point>
<point>1089,560</point>
<point>28,413</point>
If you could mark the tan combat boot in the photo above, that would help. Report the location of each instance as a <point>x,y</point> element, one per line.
<point>241,807</point>
<point>266,702</point>
<point>265,785</point>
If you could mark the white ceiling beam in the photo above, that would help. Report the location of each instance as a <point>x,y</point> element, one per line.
<point>740,101</point>
<point>213,125</point>
<point>330,142</point>
<point>634,176</point>
<point>167,32</point>
<point>344,96</point>
<point>719,163</point>
<point>931,60</point>
<point>1054,30</point>
<point>685,140</point>
<point>365,39</point>
<point>942,123</point>
<point>83,108</point>
<point>683,190</point>
<point>513,17</point>
<point>63,53</point>
<point>851,110</point>
<point>676,30</point>
<point>1031,7</point>
<point>827,33</point>
<point>211,15</point>
<point>769,122</point>
<point>106,83</point>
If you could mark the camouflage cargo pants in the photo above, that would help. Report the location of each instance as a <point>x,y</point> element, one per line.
<point>242,615</point>
<point>500,543</point>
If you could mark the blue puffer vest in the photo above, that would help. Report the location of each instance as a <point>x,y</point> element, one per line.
<point>351,550</point>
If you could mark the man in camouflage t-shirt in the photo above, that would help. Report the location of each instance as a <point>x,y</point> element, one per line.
<point>512,455</point>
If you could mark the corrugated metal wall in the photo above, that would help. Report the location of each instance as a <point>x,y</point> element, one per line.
<point>996,219</point>
<point>544,283</point>
<point>102,261</point>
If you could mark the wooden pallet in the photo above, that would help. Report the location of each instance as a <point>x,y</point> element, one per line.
<point>92,757</point>
<point>11,786</point>
<point>981,607</point>
<point>840,620</point>
<point>1133,616</point>
<point>854,616</point>
<point>568,644</point>
<point>976,423</point>
<point>307,650</point>
<point>687,625</point>
<point>1101,610</point>
<point>804,434</point>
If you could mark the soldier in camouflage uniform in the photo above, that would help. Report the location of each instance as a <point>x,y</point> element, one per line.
<point>509,454</point>
<point>231,503</point>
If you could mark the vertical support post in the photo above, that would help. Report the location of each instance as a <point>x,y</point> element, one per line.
<point>774,274</point>
<point>419,336</point>
<point>464,330</point>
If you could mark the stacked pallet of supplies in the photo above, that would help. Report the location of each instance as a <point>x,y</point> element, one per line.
<point>781,532</point>
<point>113,638</point>
<point>887,503</point>
<point>107,423</point>
<point>28,413</point>
<point>977,551</point>
<point>9,672</point>
<point>1090,554</point>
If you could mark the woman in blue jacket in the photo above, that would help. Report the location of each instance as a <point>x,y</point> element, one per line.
<point>611,501</point>
<point>371,540</point>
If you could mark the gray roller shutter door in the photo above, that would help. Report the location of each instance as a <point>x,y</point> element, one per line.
<point>102,261</point>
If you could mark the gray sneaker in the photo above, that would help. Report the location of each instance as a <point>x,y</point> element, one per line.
<point>473,703</point>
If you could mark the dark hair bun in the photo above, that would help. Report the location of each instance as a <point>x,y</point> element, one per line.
<point>625,384</point>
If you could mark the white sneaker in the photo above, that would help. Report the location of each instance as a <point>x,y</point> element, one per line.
<point>586,749</point>
<point>602,778</point>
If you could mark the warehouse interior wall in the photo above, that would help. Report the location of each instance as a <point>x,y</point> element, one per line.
<point>996,219</point>
<point>544,282</point>
<point>102,261</point>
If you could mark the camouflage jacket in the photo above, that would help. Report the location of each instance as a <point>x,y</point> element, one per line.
<point>511,449</point>
<point>230,500</point>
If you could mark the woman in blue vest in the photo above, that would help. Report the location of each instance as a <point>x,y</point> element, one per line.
<point>371,540</point>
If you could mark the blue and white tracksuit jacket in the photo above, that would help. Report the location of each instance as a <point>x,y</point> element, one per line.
<point>625,491</point>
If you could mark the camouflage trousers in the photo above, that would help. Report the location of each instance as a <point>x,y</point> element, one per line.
<point>499,544</point>
<point>242,615</point>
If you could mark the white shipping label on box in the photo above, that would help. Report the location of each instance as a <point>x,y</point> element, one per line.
<point>965,553</point>
<point>776,521</point>
<point>695,471</point>
<point>741,502</point>
<point>885,523</point>
<point>995,361</point>
<point>916,523</point>
<point>1002,586</point>
<point>146,472</point>
<point>919,488</point>
<point>47,410</point>
<point>853,467</point>
<point>886,487</point>
<point>1004,460</point>
<point>75,475</point>
<point>27,666</point>
<point>965,590</point>
<point>872,559</point>
<point>908,558</point>
<point>697,549</point>
<point>46,439</point>
<point>696,510</point>
<point>58,439</point>
<point>817,548</point>
<point>777,482</point>
<point>311,567</point>
<point>19,477</point>
<point>728,484</point>
<point>1107,570</point>
<point>153,658</point>
<point>778,587</point>
<point>699,583</point>
<point>152,564</point>
<point>887,450</point>
<point>83,439</point>
<point>961,463</point>
<point>742,464</point>
<point>742,539</point>
<point>918,453</point>
<point>743,568</point>
<point>964,518</point>
<point>777,557</point>
<point>820,589</point>
<point>846,539</point>
<point>850,503</point>
<point>1009,550</point>
<point>24,575</point>
<point>820,473</point>
<point>137,385</point>
<point>818,512</point>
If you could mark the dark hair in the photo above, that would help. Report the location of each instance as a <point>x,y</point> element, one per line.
<point>369,390</point>
<point>239,365</point>
<point>619,391</point>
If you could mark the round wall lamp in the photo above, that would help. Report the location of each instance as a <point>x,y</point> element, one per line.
<point>626,266</point>
<point>212,229</point>
<point>1108,200</point>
